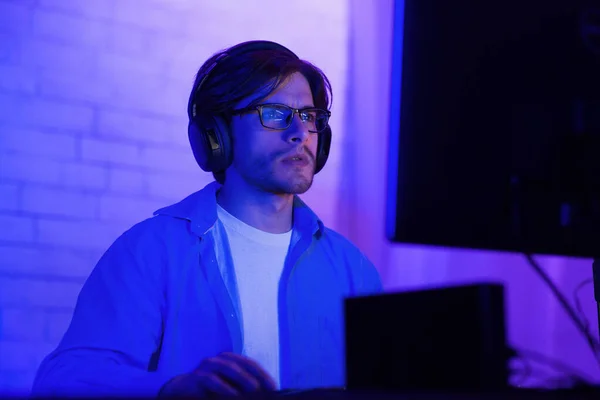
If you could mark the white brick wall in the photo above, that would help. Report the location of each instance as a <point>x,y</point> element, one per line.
<point>93,135</point>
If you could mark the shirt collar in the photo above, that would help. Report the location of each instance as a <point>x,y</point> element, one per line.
<point>200,208</point>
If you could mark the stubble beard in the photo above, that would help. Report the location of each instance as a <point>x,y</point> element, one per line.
<point>263,174</point>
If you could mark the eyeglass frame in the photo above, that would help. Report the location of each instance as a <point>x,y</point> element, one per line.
<point>259,107</point>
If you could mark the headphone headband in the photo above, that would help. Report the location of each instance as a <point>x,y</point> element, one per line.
<point>242,48</point>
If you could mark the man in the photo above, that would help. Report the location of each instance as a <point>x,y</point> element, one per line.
<point>239,287</point>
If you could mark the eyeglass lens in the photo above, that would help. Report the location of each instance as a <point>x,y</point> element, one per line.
<point>280,117</point>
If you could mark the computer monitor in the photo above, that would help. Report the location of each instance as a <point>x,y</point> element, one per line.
<point>444,339</point>
<point>495,131</point>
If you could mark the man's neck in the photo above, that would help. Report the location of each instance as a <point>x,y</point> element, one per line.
<point>265,211</point>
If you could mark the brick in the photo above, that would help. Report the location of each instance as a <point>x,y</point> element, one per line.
<point>173,102</point>
<point>147,15</point>
<point>9,48</point>
<point>70,29</point>
<point>112,64</point>
<point>126,181</point>
<point>120,208</point>
<point>57,324</point>
<point>83,87</point>
<point>22,356</point>
<point>53,114</point>
<point>110,152</point>
<point>15,355</point>
<point>29,169</point>
<point>16,79</point>
<point>9,197</point>
<point>79,175</point>
<point>122,125</point>
<point>181,160</point>
<point>176,5</point>
<point>16,229</point>
<point>59,202</point>
<point>186,59</point>
<point>25,3</point>
<point>23,324</point>
<point>15,18</point>
<point>25,292</point>
<point>16,384</point>
<point>37,142</point>
<point>129,40</point>
<point>176,186</point>
<point>197,28</point>
<point>45,261</point>
<point>136,91</point>
<point>50,55</point>
<point>97,9</point>
<point>78,234</point>
<point>171,47</point>
<point>36,112</point>
<point>11,110</point>
<point>177,128</point>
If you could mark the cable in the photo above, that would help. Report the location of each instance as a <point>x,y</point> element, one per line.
<point>581,326</point>
<point>584,319</point>
<point>559,366</point>
<point>558,382</point>
<point>527,371</point>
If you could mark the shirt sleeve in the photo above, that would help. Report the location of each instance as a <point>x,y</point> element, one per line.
<point>116,327</point>
<point>369,280</point>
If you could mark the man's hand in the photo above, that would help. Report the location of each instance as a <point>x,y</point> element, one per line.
<point>226,374</point>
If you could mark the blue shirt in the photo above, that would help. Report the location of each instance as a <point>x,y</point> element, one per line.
<point>163,297</point>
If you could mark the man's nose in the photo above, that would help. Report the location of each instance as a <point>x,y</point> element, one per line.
<point>298,131</point>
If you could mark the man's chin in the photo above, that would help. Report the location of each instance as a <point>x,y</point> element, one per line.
<point>300,189</point>
<point>295,186</point>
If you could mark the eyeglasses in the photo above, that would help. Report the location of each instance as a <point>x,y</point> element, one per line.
<point>280,116</point>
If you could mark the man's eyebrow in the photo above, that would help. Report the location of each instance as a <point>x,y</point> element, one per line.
<point>299,108</point>
<point>304,106</point>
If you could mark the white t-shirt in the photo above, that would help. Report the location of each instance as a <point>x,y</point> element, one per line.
<point>258,259</point>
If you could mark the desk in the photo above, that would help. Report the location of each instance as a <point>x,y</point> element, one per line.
<point>512,394</point>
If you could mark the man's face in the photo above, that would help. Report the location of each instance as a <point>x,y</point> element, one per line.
<point>263,157</point>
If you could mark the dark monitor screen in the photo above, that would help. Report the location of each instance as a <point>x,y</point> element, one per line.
<point>495,131</point>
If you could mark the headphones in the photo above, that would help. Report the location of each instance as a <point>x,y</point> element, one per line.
<point>209,134</point>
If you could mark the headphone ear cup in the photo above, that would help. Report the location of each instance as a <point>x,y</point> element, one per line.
<point>323,148</point>
<point>225,157</point>
<point>210,142</point>
<point>199,147</point>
